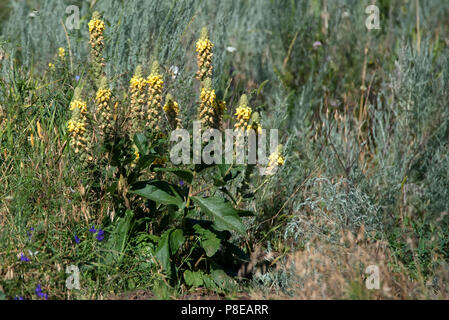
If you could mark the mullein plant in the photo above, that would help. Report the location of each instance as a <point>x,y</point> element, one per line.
<point>204,56</point>
<point>171,109</point>
<point>105,111</point>
<point>137,88</point>
<point>246,121</point>
<point>211,110</point>
<point>79,129</point>
<point>96,30</point>
<point>155,83</point>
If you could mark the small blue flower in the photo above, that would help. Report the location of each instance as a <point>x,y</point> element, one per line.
<point>39,292</point>
<point>77,78</point>
<point>92,230</point>
<point>24,258</point>
<point>181,183</point>
<point>100,235</point>
<point>77,240</point>
<point>18,298</point>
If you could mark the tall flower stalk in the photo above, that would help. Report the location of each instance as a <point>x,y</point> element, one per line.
<point>155,84</point>
<point>204,56</point>
<point>137,92</point>
<point>78,128</point>
<point>96,30</point>
<point>211,110</point>
<point>171,109</point>
<point>104,110</point>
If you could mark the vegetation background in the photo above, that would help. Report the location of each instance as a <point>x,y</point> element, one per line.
<point>363,117</point>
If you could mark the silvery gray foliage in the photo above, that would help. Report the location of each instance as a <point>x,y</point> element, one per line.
<point>339,204</point>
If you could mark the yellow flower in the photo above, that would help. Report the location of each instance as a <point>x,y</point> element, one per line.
<point>155,82</point>
<point>204,56</point>
<point>81,105</point>
<point>76,127</point>
<point>96,25</point>
<point>51,66</point>
<point>137,156</point>
<point>203,44</point>
<point>137,83</point>
<point>103,95</point>
<point>61,53</point>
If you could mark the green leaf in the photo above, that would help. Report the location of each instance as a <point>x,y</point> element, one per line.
<point>158,191</point>
<point>221,278</point>
<point>163,251</point>
<point>118,239</point>
<point>194,279</point>
<point>141,143</point>
<point>186,175</point>
<point>176,240</point>
<point>223,213</point>
<point>261,87</point>
<point>209,240</point>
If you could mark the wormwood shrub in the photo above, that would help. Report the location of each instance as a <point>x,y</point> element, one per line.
<point>122,140</point>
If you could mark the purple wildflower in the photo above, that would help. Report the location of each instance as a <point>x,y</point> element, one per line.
<point>100,235</point>
<point>39,292</point>
<point>92,230</point>
<point>24,258</point>
<point>77,240</point>
<point>317,44</point>
<point>77,78</point>
<point>181,183</point>
<point>18,298</point>
<point>29,234</point>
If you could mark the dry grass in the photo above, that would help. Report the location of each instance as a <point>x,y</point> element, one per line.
<point>338,271</point>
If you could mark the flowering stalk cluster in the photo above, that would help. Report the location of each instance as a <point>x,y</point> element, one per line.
<point>137,92</point>
<point>274,160</point>
<point>155,84</point>
<point>204,56</point>
<point>246,119</point>
<point>77,127</point>
<point>96,29</point>
<point>171,110</point>
<point>105,110</point>
<point>211,110</point>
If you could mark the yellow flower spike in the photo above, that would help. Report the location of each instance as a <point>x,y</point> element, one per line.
<point>96,29</point>
<point>171,109</point>
<point>274,160</point>
<point>61,53</point>
<point>79,104</point>
<point>137,85</point>
<point>155,84</point>
<point>204,56</point>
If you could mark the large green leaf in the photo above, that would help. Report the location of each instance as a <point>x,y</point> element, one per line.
<point>169,244</point>
<point>163,251</point>
<point>176,240</point>
<point>158,191</point>
<point>186,175</point>
<point>209,240</point>
<point>223,213</point>
<point>141,143</point>
<point>192,278</point>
